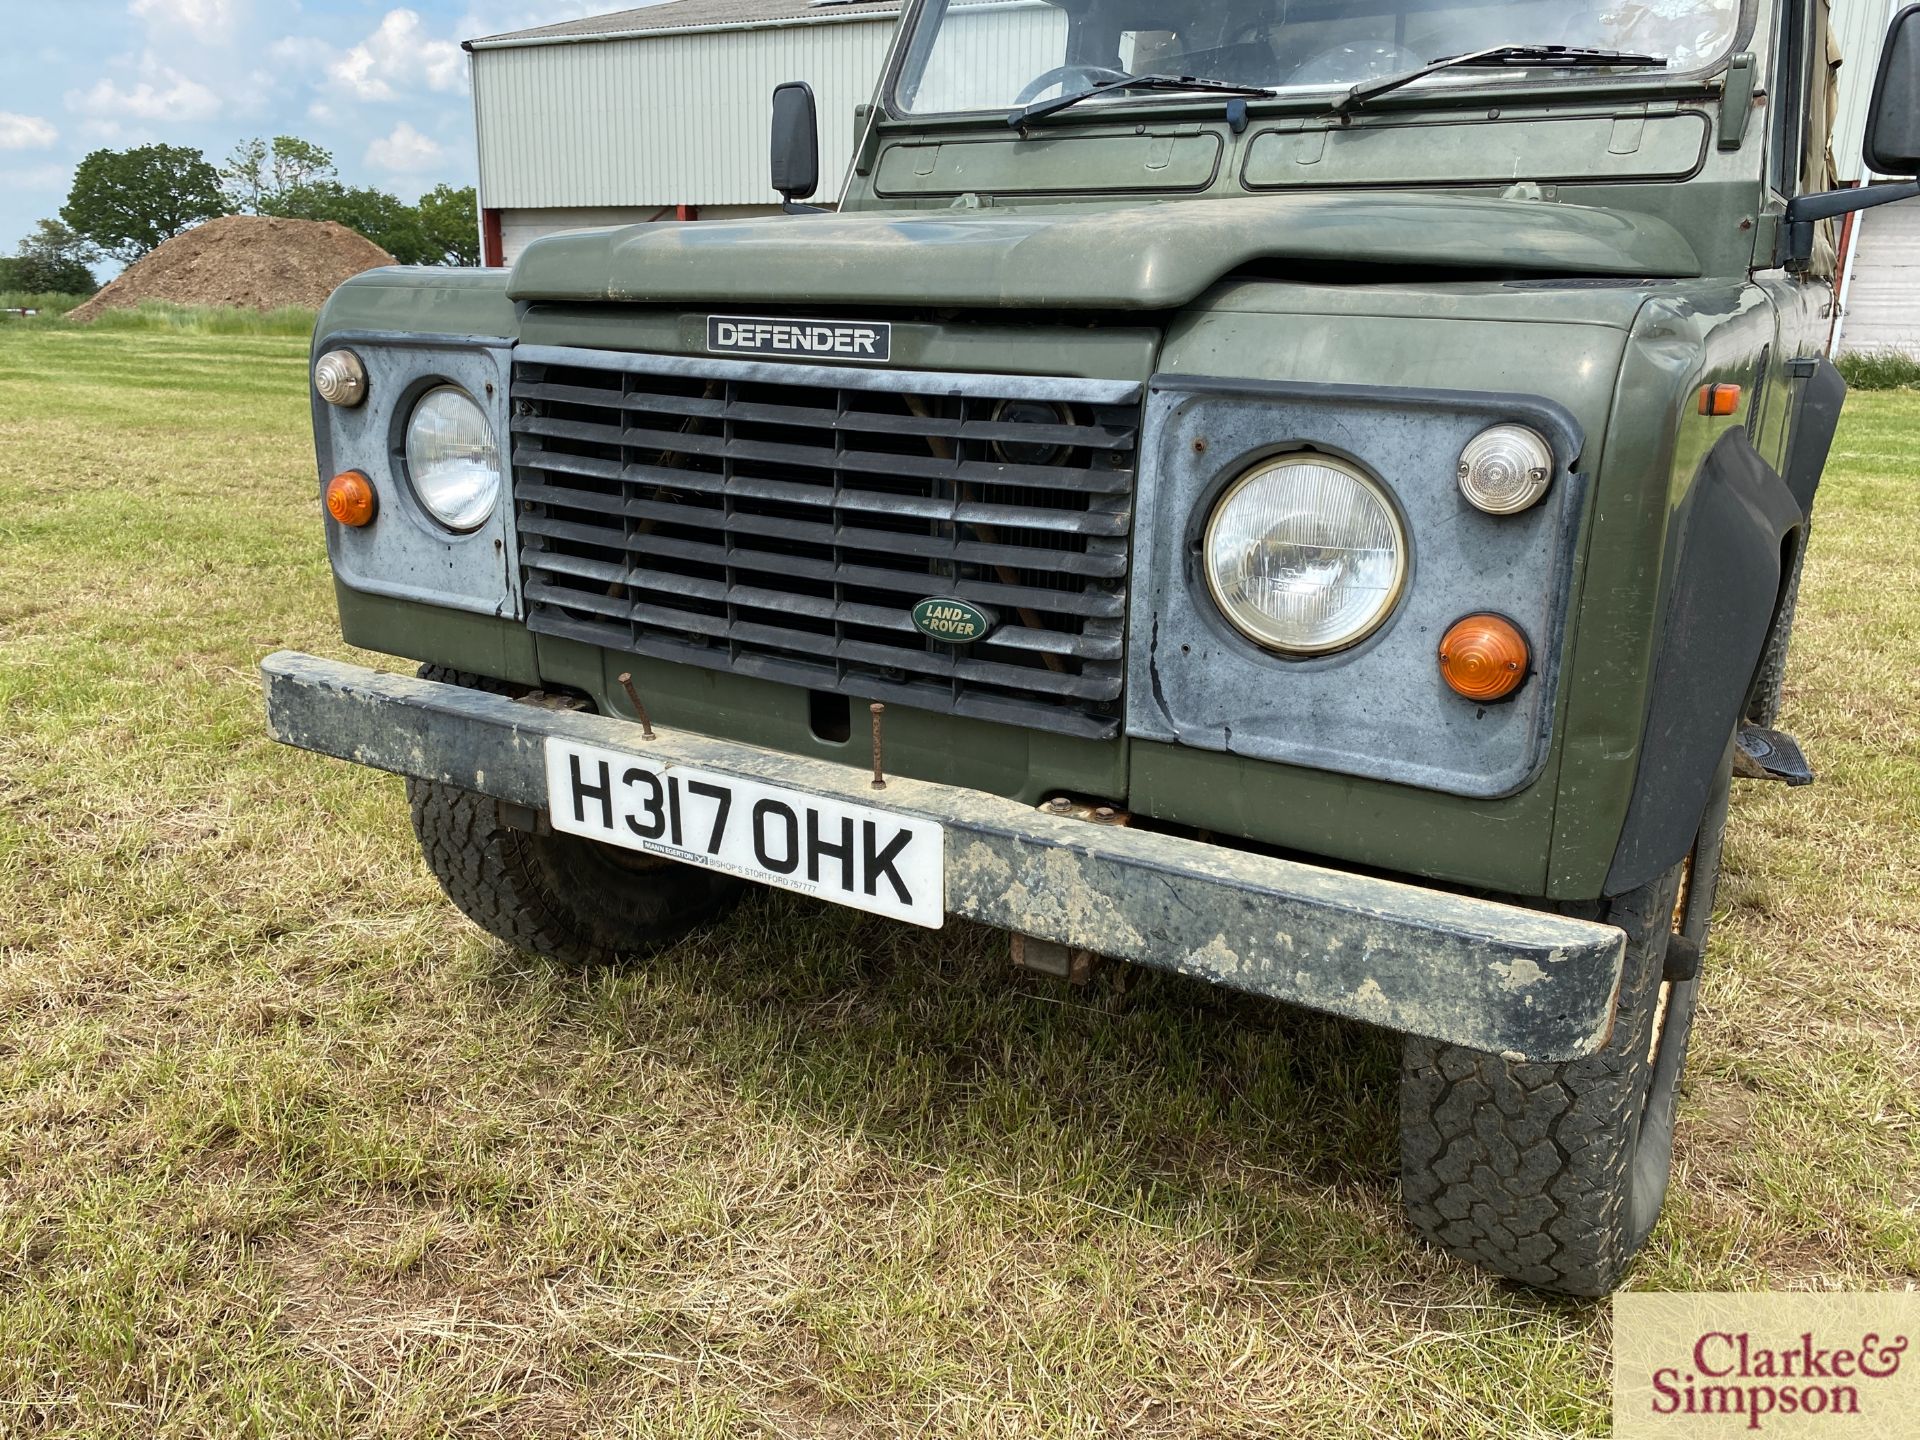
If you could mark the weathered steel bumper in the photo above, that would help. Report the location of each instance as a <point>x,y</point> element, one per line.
<point>1496,977</point>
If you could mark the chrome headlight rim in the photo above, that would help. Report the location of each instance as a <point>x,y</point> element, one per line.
<point>453,522</point>
<point>1355,634</point>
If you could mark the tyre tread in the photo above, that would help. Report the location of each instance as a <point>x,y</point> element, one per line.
<point>1523,1167</point>
<point>529,889</point>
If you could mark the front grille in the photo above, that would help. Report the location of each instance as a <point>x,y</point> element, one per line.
<point>782,521</point>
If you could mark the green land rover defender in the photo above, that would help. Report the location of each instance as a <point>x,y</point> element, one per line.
<point>1307,494</point>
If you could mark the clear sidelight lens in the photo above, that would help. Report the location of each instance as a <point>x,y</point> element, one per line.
<point>1305,555</point>
<point>341,379</point>
<point>452,461</point>
<point>1505,469</point>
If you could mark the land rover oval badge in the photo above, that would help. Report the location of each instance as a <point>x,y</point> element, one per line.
<point>954,621</point>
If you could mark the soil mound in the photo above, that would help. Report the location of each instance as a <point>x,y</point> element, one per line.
<point>250,261</point>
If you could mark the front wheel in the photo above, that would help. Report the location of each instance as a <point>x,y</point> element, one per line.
<point>1554,1174</point>
<point>558,896</point>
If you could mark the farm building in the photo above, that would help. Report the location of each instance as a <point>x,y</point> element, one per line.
<point>1879,305</point>
<point>662,113</point>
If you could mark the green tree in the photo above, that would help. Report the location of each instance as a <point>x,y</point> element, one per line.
<point>450,223</point>
<point>259,171</point>
<point>244,178</point>
<point>127,201</point>
<point>388,221</point>
<point>50,261</point>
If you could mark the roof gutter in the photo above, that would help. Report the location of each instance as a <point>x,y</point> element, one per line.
<point>514,42</point>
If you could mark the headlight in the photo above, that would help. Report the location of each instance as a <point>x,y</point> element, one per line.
<point>1304,554</point>
<point>1505,468</point>
<point>452,462</point>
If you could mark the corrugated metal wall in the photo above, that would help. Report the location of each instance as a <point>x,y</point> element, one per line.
<point>1860,26</point>
<point>666,120</point>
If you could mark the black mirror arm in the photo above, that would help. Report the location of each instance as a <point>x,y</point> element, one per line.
<point>1829,204</point>
<point>794,207</point>
<point>1806,211</point>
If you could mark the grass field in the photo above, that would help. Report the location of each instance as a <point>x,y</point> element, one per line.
<point>151,315</point>
<point>288,1148</point>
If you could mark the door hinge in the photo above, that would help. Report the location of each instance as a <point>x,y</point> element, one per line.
<point>1736,100</point>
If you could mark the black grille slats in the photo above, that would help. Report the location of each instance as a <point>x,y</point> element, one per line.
<point>783,520</point>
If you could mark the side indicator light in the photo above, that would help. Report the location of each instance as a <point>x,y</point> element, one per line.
<point>1483,657</point>
<point>1719,399</point>
<point>350,499</point>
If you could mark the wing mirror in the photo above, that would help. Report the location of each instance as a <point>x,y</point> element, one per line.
<point>1893,119</point>
<point>1892,144</point>
<point>795,154</point>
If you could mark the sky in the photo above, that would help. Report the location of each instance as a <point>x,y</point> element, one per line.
<point>382,86</point>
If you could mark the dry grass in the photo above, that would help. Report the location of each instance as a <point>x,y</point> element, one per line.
<point>288,1148</point>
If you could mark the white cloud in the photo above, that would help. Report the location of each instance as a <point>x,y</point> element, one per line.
<point>25,132</point>
<point>404,151</point>
<point>207,19</point>
<point>162,95</point>
<point>399,56</point>
<point>300,52</point>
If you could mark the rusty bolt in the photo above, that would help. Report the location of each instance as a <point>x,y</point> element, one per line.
<point>639,710</point>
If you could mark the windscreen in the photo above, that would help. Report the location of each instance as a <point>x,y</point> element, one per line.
<point>996,54</point>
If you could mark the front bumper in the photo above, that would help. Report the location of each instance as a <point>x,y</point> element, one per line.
<point>1474,972</point>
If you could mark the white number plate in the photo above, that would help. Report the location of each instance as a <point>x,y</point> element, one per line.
<point>853,854</point>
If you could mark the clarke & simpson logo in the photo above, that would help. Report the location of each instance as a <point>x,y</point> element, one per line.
<point>1734,1374</point>
<point>1780,1365</point>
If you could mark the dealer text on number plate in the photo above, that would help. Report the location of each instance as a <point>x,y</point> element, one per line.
<point>855,855</point>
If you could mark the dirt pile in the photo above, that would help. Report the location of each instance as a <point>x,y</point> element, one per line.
<point>249,261</point>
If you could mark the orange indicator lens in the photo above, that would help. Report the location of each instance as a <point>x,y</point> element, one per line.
<point>350,498</point>
<point>1483,657</point>
<point>1719,399</point>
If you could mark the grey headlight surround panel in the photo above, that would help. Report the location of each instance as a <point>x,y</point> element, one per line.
<point>405,553</point>
<point>1380,709</point>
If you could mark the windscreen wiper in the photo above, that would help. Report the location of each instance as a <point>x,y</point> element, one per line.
<point>1018,118</point>
<point>1519,57</point>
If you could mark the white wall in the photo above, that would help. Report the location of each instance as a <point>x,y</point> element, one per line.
<point>666,120</point>
<point>1860,26</point>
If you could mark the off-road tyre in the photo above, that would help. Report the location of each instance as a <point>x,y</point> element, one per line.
<point>1553,1175</point>
<point>557,896</point>
<point>1769,684</point>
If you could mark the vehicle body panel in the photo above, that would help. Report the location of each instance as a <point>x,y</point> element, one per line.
<point>1133,257</point>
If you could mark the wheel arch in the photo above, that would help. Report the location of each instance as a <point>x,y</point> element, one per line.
<point>1738,526</point>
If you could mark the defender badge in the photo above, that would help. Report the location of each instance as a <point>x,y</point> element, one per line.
<point>864,342</point>
<point>954,621</point>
